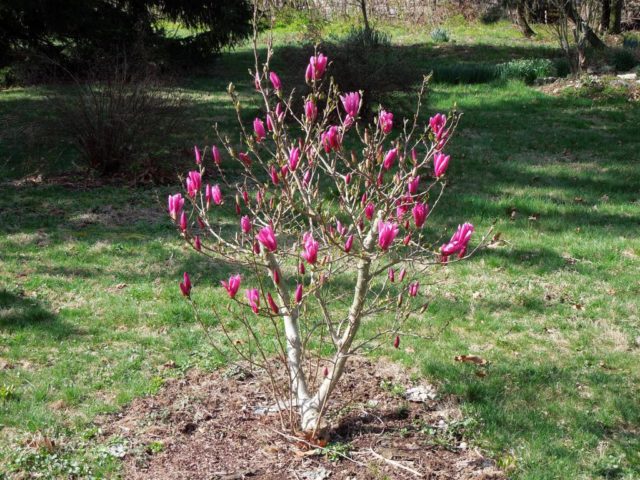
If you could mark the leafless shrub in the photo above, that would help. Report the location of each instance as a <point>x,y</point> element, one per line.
<point>117,114</point>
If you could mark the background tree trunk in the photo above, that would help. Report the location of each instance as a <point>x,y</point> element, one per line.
<point>605,16</point>
<point>521,15</point>
<point>616,24</point>
<point>572,14</point>
<point>365,18</point>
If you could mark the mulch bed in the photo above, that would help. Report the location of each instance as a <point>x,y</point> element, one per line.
<point>211,426</point>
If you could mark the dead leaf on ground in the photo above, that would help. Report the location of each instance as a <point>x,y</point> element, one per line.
<point>577,306</point>
<point>471,359</point>
<point>6,365</point>
<point>496,241</point>
<point>41,442</point>
<point>58,405</point>
<point>169,364</point>
<point>534,216</point>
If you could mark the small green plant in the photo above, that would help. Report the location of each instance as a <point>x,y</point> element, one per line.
<point>371,38</point>
<point>449,435</point>
<point>48,464</point>
<point>7,392</point>
<point>440,35</point>
<point>527,69</point>
<point>393,388</point>
<point>155,447</point>
<point>337,451</point>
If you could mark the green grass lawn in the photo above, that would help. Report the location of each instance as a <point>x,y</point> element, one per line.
<point>90,312</point>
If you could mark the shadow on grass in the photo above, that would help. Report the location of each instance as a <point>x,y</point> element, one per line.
<point>529,400</point>
<point>18,313</point>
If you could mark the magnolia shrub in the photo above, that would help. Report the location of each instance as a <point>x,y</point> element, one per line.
<point>329,231</point>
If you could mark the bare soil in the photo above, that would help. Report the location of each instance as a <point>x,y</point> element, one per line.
<point>212,426</point>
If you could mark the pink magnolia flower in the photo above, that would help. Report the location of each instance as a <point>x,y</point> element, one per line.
<point>347,178</point>
<point>368,211</point>
<point>256,248</point>
<point>390,158</point>
<point>316,68</point>
<point>440,163</point>
<point>185,285</point>
<point>232,285</point>
<point>197,244</point>
<point>207,194</point>
<point>273,173</point>
<point>294,158</point>
<point>406,239</point>
<point>298,294</point>
<point>413,289</point>
<point>176,203</point>
<point>245,224</point>
<point>301,268</point>
<point>387,232</point>
<point>275,81</point>
<point>245,158</point>
<point>348,244</point>
<point>216,194</point>
<point>245,197</point>
<point>401,209</point>
<point>267,238</point>
<point>340,228</point>
<point>275,274</point>
<point>280,112</point>
<point>413,184</point>
<point>392,275</point>
<point>194,182</point>
<point>459,242</point>
<point>420,211</point>
<point>437,124</point>
<point>386,121</point>
<point>216,155</point>
<point>258,128</point>
<point>306,178</point>
<point>197,154</point>
<point>310,111</point>
<point>183,222</point>
<point>253,295</point>
<point>403,273</point>
<point>331,139</point>
<point>351,103</point>
<point>311,247</point>
<point>272,304</point>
